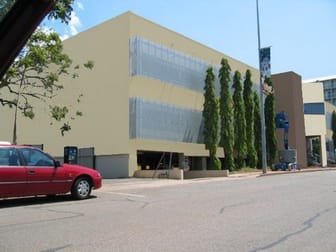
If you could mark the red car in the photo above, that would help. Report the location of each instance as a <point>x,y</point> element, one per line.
<point>27,171</point>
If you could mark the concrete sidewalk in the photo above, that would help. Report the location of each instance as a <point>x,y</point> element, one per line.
<point>135,183</point>
<point>313,169</point>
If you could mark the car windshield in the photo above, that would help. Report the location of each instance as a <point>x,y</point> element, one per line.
<point>5,6</point>
<point>18,20</point>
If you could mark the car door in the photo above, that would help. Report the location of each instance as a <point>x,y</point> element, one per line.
<point>12,173</point>
<point>42,175</point>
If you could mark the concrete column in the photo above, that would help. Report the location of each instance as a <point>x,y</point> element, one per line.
<point>324,162</point>
<point>132,163</point>
<point>181,161</point>
<point>204,163</point>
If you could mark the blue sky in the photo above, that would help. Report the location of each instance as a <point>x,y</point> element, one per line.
<point>301,33</point>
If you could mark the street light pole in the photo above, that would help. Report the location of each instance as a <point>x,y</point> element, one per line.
<point>263,135</point>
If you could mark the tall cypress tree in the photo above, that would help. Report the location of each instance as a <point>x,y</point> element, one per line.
<point>251,160</point>
<point>211,119</point>
<point>226,115</point>
<point>257,129</point>
<point>271,144</point>
<point>239,121</point>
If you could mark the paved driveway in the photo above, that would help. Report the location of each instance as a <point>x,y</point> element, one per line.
<point>291,212</point>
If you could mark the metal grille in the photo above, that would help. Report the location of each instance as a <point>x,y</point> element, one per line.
<point>153,120</point>
<point>167,65</point>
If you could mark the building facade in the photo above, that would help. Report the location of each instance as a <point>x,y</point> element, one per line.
<point>142,102</point>
<point>289,99</point>
<point>329,92</point>
<point>329,87</point>
<point>309,118</point>
<point>315,123</point>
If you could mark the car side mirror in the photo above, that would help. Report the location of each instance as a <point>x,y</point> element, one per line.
<point>57,164</point>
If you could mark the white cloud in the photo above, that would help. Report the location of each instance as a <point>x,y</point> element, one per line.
<point>80,5</point>
<point>46,29</point>
<point>64,37</point>
<point>74,23</point>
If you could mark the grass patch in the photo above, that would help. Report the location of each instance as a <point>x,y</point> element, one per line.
<point>246,169</point>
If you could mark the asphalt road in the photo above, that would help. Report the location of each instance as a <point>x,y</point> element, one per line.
<point>289,212</point>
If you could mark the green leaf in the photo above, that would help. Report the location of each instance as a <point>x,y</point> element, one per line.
<point>38,69</point>
<point>89,64</point>
<point>58,113</point>
<point>29,113</point>
<point>65,128</point>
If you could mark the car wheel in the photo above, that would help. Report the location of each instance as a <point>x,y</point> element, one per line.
<point>81,189</point>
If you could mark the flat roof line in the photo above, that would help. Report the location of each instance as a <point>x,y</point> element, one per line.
<point>331,77</point>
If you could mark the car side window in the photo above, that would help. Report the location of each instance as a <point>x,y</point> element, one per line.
<point>35,157</point>
<point>9,157</point>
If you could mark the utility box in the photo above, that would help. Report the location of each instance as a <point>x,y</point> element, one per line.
<point>71,154</point>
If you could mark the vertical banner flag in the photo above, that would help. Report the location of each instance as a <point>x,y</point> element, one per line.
<point>265,67</point>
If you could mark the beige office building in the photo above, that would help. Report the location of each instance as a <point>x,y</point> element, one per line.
<point>309,118</point>
<point>143,98</point>
<point>329,90</point>
<point>318,116</point>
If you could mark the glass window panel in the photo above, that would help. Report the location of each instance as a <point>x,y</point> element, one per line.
<point>314,108</point>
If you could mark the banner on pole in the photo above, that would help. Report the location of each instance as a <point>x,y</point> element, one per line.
<point>265,67</point>
<point>265,62</point>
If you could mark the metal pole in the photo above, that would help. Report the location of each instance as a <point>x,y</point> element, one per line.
<point>263,135</point>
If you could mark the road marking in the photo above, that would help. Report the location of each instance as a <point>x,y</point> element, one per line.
<point>128,194</point>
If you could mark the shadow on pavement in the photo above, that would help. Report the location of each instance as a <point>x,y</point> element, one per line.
<point>38,200</point>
